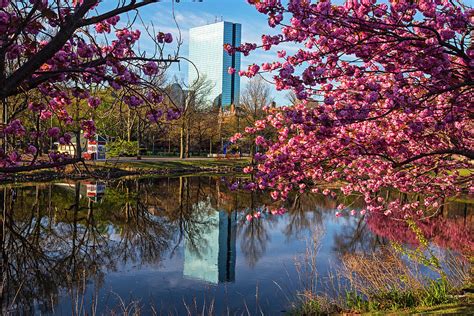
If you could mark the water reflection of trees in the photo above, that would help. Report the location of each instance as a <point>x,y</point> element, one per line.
<point>52,240</point>
<point>55,239</point>
<point>254,238</point>
<point>447,233</point>
<point>305,214</point>
<point>356,237</point>
<point>41,254</point>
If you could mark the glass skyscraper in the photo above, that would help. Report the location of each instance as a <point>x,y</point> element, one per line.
<point>211,256</point>
<point>206,51</point>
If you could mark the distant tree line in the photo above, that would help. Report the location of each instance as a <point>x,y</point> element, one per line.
<point>201,129</point>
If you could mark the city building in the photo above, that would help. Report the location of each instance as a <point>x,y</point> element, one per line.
<point>206,52</point>
<point>211,256</point>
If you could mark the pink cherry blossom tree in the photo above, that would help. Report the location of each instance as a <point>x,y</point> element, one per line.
<point>386,92</point>
<point>53,55</point>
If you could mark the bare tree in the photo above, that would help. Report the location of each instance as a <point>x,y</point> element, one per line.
<point>191,101</point>
<point>291,96</point>
<point>254,98</point>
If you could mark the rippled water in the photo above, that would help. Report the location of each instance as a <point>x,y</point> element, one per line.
<point>172,245</point>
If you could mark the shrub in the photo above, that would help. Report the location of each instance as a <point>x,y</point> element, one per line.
<point>122,148</point>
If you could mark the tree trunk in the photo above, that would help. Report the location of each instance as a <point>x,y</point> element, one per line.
<point>187,138</point>
<point>181,142</point>
<point>169,142</point>
<point>220,132</point>
<point>139,139</point>
<point>210,146</point>
<point>4,122</point>
<point>78,145</point>
<point>129,127</point>
<point>252,151</point>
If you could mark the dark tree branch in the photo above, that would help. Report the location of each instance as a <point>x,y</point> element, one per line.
<point>40,166</point>
<point>132,6</point>
<point>462,152</point>
<point>64,34</point>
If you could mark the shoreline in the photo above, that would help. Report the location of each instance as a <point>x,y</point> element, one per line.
<point>115,169</point>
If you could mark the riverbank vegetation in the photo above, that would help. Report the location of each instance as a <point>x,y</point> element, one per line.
<point>113,169</point>
<point>394,279</point>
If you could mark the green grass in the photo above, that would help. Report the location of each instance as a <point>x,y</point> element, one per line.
<point>444,309</point>
<point>436,293</point>
<point>144,167</point>
<point>362,307</point>
<point>176,164</point>
<point>465,172</point>
<point>308,307</point>
<point>436,298</point>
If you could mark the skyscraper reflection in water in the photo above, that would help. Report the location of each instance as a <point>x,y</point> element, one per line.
<point>210,256</point>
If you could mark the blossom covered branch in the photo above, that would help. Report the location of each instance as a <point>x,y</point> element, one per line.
<point>53,54</point>
<point>386,100</point>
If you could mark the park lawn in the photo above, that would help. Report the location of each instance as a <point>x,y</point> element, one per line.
<point>116,169</point>
<point>174,164</point>
<point>445,309</point>
<point>462,307</point>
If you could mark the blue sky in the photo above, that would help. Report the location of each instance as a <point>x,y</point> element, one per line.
<point>190,14</point>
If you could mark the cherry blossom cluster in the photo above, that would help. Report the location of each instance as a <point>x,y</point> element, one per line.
<point>386,101</point>
<point>55,53</point>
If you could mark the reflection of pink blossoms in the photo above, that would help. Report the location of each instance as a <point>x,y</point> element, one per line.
<point>265,212</point>
<point>446,233</point>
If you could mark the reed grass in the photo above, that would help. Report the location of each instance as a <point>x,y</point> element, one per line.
<point>383,281</point>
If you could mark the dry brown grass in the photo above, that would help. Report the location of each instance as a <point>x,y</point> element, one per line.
<point>386,270</point>
<point>387,279</point>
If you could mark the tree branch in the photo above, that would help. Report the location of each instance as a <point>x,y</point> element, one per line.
<point>132,6</point>
<point>462,152</point>
<point>64,34</point>
<point>38,167</point>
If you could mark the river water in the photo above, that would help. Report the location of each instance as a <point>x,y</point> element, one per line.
<point>182,245</point>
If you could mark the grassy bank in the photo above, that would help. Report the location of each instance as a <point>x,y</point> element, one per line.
<point>463,305</point>
<point>394,280</point>
<point>172,164</point>
<point>119,168</point>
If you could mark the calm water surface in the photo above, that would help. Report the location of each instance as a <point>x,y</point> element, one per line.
<point>169,245</point>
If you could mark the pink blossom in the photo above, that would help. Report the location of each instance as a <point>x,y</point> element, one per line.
<point>248,169</point>
<point>45,115</point>
<point>164,37</point>
<point>53,132</point>
<point>31,150</point>
<point>236,137</point>
<point>275,195</point>
<point>150,68</point>
<point>94,102</point>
